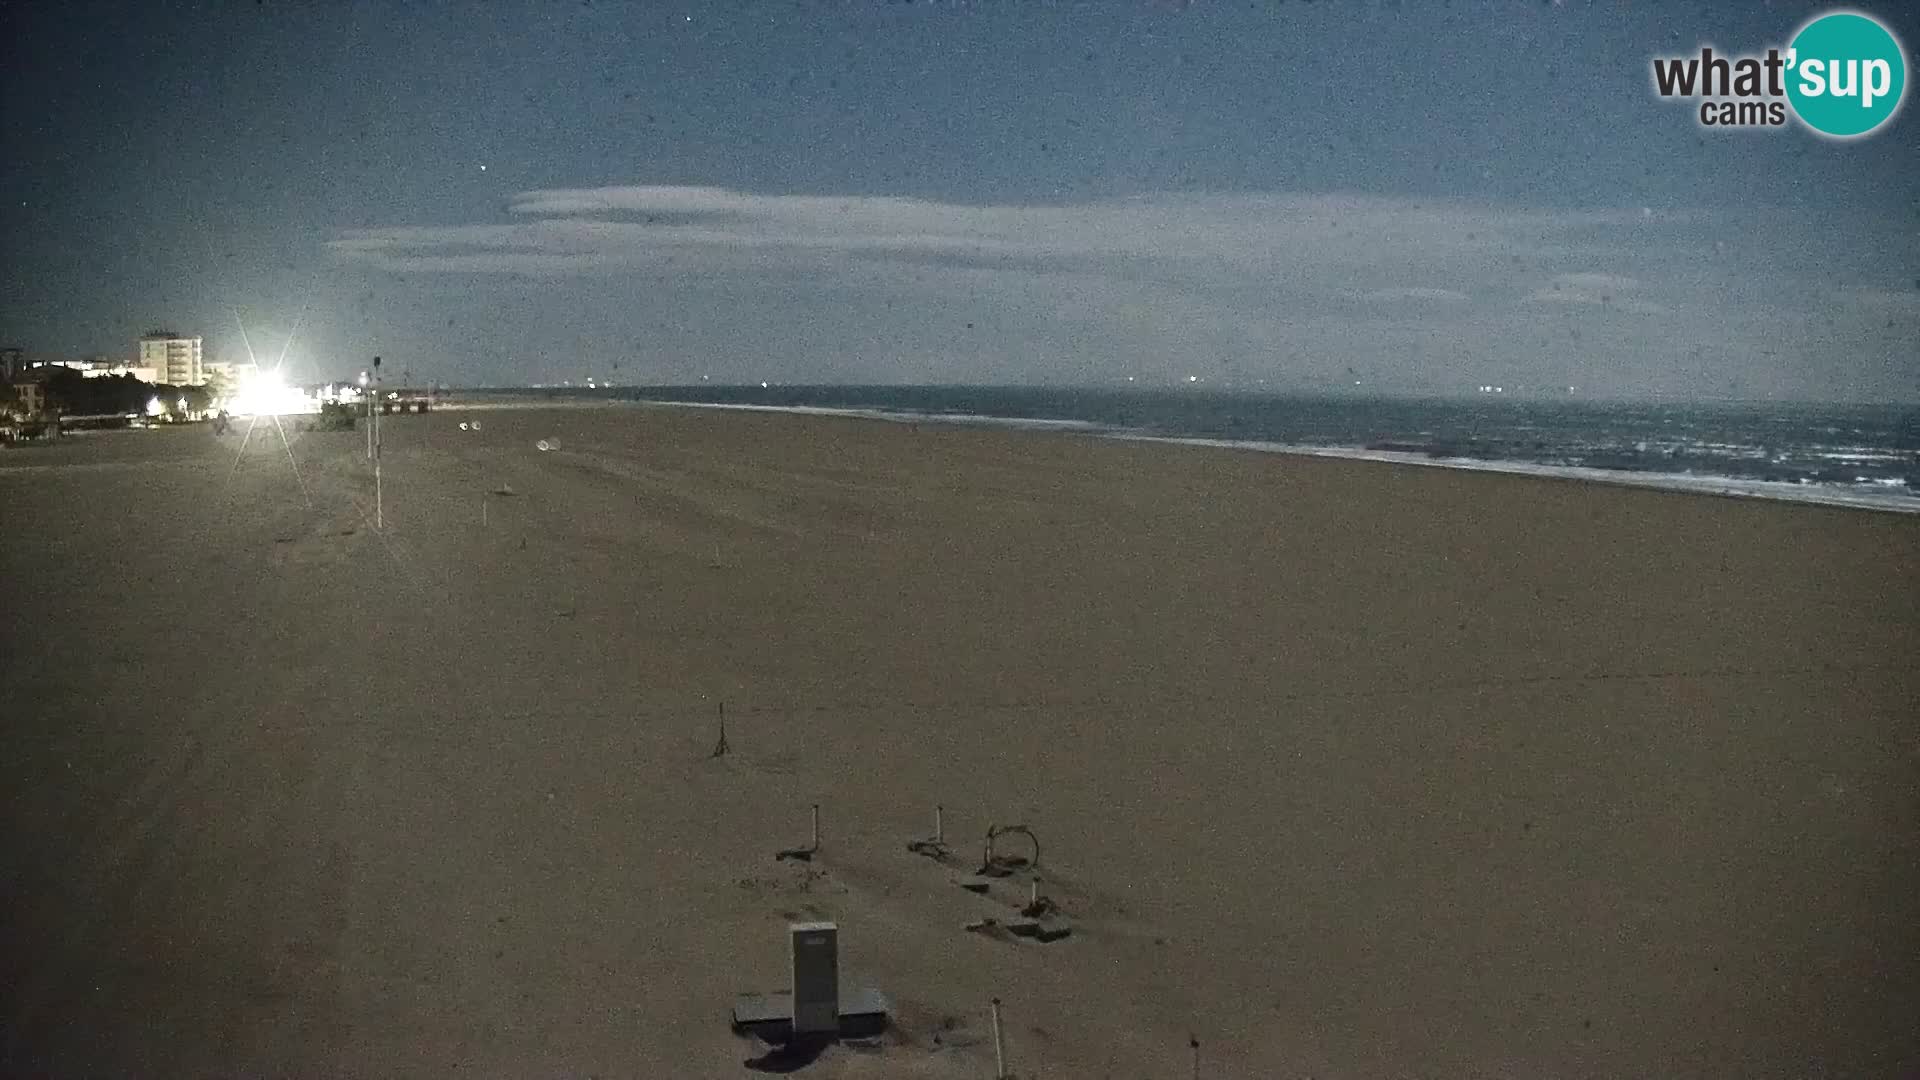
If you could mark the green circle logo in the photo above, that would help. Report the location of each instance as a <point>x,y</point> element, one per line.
<point>1846,74</point>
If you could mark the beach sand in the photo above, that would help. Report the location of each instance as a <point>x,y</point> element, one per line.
<point>1345,769</point>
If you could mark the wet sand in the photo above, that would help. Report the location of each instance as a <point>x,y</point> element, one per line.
<point>1346,769</point>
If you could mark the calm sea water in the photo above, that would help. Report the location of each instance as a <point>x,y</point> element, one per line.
<point>1862,455</point>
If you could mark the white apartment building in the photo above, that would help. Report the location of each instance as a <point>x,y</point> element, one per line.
<point>174,358</point>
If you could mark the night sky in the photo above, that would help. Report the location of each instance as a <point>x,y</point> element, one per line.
<point>1420,196</point>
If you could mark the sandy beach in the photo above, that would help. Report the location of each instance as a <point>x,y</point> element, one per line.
<point>1345,769</point>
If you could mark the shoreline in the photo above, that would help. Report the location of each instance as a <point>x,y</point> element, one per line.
<point>1682,483</point>
<point>1721,486</point>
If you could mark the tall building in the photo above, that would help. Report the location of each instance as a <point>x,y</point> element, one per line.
<point>175,359</point>
<point>12,362</point>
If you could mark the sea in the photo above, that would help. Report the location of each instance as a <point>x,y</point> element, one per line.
<point>1865,456</point>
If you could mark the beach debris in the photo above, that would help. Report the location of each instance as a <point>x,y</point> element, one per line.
<point>997,864</point>
<point>463,425</point>
<point>505,490</point>
<point>1040,930</point>
<point>547,444</point>
<point>807,853</point>
<point>720,748</point>
<point>1193,1044</point>
<point>933,847</point>
<point>1040,917</point>
<point>815,1011</point>
<point>1037,905</point>
<point>1038,920</point>
<point>1031,929</point>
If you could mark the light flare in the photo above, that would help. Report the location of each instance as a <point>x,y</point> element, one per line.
<point>266,395</point>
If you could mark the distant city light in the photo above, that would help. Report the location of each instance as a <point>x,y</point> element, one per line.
<point>155,407</point>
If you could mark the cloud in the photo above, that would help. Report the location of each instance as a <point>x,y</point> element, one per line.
<point>1284,237</point>
<point>1891,301</point>
<point>1417,293</point>
<point>1420,293</point>
<point>1597,281</point>
<point>1595,289</point>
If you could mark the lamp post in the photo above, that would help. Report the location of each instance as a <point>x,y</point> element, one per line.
<point>379,515</point>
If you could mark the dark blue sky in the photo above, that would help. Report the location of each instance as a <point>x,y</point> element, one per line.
<point>1433,195</point>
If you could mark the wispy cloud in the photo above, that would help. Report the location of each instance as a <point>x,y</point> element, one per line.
<point>1591,281</point>
<point>1890,301</point>
<point>1596,289</point>
<point>1287,237</point>
<point>1417,291</point>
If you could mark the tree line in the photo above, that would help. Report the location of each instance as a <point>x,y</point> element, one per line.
<point>73,394</point>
